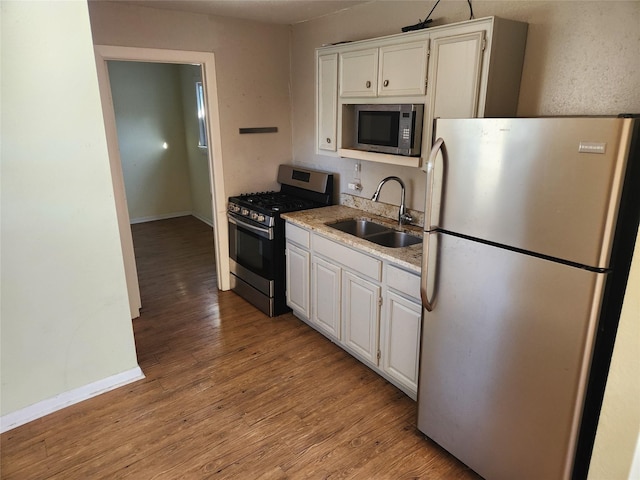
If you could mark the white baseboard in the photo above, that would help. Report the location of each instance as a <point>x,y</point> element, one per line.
<point>158,217</point>
<point>203,219</point>
<point>77,395</point>
<point>166,216</point>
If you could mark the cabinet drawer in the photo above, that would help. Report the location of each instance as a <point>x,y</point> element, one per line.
<point>348,257</point>
<point>298,235</point>
<point>403,281</point>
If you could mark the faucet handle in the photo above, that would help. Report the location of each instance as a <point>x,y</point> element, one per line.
<point>405,218</point>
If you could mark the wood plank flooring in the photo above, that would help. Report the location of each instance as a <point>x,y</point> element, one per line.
<point>229,393</point>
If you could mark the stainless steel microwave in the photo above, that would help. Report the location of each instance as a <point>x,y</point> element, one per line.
<point>389,128</point>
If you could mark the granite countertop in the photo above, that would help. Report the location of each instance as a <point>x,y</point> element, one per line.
<point>315,219</point>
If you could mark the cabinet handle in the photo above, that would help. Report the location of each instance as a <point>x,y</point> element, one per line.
<point>368,84</point>
<point>386,83</point>
<point>328,140</point>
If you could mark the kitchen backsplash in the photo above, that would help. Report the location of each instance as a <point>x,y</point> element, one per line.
<point>383,209</point>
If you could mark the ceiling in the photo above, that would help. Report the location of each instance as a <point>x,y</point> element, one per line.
<point>286,12</point>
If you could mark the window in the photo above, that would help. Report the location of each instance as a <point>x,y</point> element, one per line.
<point>202,120</point>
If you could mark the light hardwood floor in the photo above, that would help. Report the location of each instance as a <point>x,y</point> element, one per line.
<point>229,393</point>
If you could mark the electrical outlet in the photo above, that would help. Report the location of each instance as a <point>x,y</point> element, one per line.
<point>357,168</point>
<point>355,186</point>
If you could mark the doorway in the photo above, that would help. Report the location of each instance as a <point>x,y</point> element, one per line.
<point>162,145</point>
<point>218,197</point>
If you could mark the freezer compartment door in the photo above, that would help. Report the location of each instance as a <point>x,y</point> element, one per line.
<point>545,185</point>
<point>504,358</point>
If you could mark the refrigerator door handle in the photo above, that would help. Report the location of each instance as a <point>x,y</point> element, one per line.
<point>431,163</point>
<point>424,295</point>
<point>430,167</point>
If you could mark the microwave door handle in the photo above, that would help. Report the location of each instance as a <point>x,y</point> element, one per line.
<point>263,232</point>
<point>431,163</point>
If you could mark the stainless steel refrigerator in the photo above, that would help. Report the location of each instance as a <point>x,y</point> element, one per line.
<point>530,225</point>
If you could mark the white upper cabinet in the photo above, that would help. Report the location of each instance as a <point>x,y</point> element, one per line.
<point>359,73</point>
<point>455,67</point>
<point>462,70</point>
<point>393,70</point>
<point>403,69</point>
<point>327,102</point>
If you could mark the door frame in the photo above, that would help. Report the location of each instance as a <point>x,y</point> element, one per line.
<point>105,53</point>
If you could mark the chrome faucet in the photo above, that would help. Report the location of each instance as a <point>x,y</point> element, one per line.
<point>403,216</point>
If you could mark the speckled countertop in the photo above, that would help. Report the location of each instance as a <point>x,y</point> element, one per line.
<point>317,218</point>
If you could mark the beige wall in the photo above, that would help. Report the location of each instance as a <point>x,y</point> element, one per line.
<point>619,427</point>
<point>252,64</point>
<point>581,59</point>
<point>147,99</point>
<point>197,157</point>
<point>65,318</point>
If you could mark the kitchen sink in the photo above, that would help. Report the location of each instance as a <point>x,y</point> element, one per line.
<point>394,239</point>
<point>375,233</point>
<point>359,227</point>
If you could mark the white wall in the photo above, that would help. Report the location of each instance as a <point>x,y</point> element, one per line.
<point>252,65</point>
<point>147,99</point>
<point>64,317</point>
<point>197,157</point>
<point>581,59</point>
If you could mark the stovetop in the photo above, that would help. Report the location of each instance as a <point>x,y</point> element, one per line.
<point>271,202</point>
<point>301,189</point>
<point>265,207</point>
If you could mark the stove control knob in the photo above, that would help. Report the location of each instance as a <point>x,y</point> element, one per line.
<point>261,218</point>
<point>245,212</point>
<point>254,216</point>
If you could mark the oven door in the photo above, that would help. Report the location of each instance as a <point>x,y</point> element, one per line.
<point>252,253</point>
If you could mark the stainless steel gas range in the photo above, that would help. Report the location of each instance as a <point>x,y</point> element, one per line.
<point>257,238</point>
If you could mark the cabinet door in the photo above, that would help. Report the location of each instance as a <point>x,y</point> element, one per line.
<point>298,261</point>
<point>361,316</point>
<point>325,297</point>
<point>359,73</point>
<point>454,75</point>
<point>403,69</point>
<point>327,101</point>
<point>401,340</point>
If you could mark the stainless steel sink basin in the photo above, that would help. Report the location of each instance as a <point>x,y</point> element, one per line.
<point>375,233</point>
<point>359,227</point>
<point>394,239</point>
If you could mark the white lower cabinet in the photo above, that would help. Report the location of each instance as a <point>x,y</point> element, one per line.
<point>368,306</point>
<point>325,297</point>
<point>298,261</point>
<point>401,339</point>
<point>401,327</point>
<point>361,312</point>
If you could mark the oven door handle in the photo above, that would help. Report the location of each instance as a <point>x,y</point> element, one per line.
<point>263,232</point>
